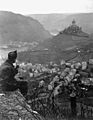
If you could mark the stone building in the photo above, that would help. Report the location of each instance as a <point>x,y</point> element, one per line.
<point>74,29</point>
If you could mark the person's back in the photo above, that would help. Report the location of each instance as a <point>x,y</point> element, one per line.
<point>7,72</point>
<point>8,81</point>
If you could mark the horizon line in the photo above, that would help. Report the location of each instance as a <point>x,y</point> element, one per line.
<point>47,13</point>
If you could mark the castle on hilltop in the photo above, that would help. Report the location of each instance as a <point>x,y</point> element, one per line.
<point>74,29</point>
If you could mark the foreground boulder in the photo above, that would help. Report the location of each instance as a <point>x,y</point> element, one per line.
<point>14,107</point>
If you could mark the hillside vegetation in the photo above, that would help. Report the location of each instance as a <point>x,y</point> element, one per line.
<point>56,22</point>
<point>16,27</point>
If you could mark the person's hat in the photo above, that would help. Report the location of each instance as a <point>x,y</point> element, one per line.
<point>12,55</point>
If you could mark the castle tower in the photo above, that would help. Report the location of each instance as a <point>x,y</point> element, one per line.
<point>74,29</point>
<point>73,22</point>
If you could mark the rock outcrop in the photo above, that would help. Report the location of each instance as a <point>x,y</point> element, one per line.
<point>14,107</point>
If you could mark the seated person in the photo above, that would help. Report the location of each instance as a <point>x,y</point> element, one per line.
<point>8,81</point>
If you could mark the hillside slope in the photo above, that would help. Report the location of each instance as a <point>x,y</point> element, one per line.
<point>56,22</point>
<point>16,27</point>
<point>59,47</point>
<point>62,42</point>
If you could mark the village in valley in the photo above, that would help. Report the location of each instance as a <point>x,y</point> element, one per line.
<point>58,70</point>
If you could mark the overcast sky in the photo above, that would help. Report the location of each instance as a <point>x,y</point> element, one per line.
<point>46,6</point>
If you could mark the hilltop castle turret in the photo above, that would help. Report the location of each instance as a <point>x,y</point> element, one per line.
<point>74,29</point>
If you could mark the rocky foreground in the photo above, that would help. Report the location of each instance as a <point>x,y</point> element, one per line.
<point>14,107</point>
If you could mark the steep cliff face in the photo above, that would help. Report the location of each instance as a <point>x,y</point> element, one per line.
<point>16,27</point>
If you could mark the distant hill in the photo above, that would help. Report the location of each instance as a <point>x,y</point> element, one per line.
<point>44,57</point>
<point>72,44</point>
<point>60,47</point>
<point>56,22</point>
<point>91,35</point>
<point>64,42</point>
<point>16,27</point>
